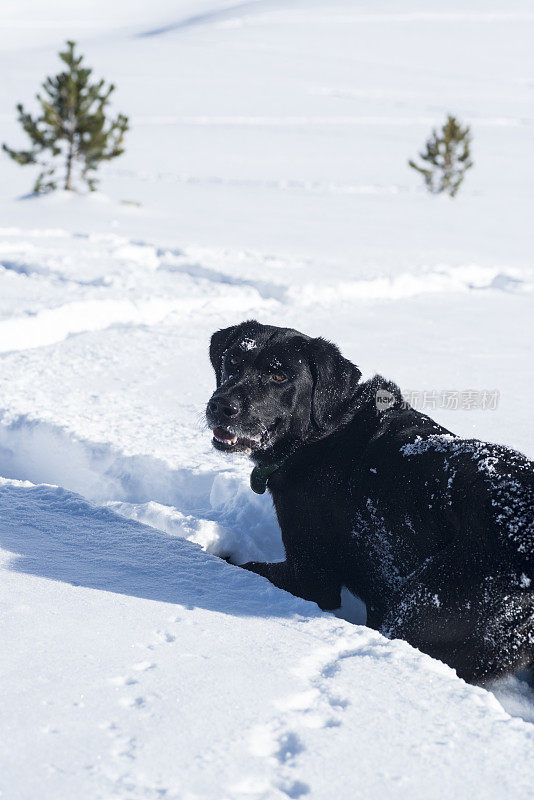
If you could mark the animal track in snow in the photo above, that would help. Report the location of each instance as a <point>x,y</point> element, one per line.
<point>123,748</point>
<point>132,702</point>
<point>165,636</point>
<point>273,741</point>
<point>282,740</point>
<point>121,680</point>
<point>143,666</point>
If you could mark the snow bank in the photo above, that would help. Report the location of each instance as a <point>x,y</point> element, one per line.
<point>146,667</point>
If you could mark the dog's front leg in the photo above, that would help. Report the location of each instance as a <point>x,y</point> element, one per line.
<point>280,573</point>
<point>310,583</point>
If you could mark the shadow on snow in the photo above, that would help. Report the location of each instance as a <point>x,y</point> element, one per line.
<point>58,535</point>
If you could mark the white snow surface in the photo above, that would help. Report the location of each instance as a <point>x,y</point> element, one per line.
<point>265,176</point>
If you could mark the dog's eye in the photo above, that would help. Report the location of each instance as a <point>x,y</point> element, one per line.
<point>278,377</point>
<point>234,360</point>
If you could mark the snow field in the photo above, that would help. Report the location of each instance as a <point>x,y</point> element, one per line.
<point>265,176</point>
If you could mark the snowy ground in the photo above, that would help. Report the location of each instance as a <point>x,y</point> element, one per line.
<point>268,155</point>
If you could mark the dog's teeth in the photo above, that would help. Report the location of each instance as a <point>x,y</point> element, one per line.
<point>231,441</point>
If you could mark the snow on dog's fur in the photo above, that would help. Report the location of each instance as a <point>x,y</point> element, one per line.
<point>433,532</point>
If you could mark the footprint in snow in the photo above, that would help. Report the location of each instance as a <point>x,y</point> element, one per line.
<point>122,680</point>
<point>143,666</point>
<point>282,745</point>
<point>281,739</point>
<point>165,636</point>
<point>132,702</point>
<point>124,747</point>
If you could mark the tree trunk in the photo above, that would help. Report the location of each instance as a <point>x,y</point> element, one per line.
<point>68,176</point>
<point>70,155</point>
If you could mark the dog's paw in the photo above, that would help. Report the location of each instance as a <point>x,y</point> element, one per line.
<point>228,558</point>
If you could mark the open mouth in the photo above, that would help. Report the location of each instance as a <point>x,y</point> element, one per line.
<point>226,439</point>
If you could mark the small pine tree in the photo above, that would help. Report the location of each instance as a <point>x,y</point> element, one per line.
<point>447,158</point>
<point>72,135</point>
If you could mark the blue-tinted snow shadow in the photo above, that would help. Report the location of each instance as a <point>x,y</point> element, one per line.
<point>209,16</point>
<point>56,534</point>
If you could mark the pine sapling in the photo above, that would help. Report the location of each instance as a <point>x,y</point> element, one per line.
<point>72,135</point>
<point>446,158</point>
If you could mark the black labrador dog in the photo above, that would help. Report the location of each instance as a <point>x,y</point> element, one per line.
<point>433,532</point>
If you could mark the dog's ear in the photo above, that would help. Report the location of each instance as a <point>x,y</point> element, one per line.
<point>335,379</point>
<point>222,340</point>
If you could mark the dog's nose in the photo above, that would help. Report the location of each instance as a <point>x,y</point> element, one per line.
<point>224,407</point>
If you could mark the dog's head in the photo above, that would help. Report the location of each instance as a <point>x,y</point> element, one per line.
<point>276,386</point>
